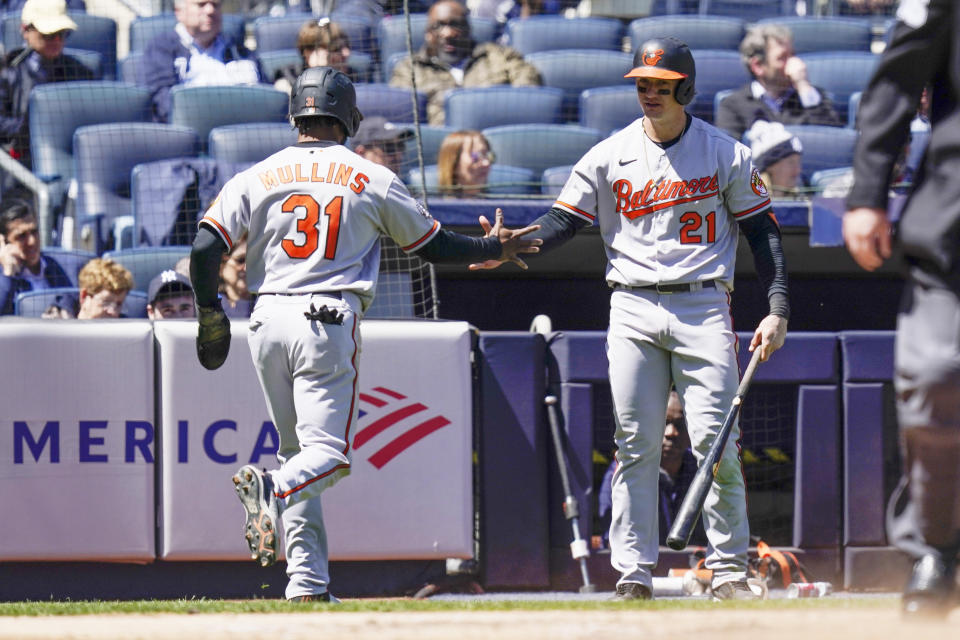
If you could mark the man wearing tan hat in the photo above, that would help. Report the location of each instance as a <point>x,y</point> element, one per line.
<point>45,26</point>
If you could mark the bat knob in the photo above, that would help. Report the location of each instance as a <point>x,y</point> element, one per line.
<point>550,400</point>
<point>677,544</point>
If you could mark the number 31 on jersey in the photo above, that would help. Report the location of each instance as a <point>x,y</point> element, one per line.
<point>308,228</point>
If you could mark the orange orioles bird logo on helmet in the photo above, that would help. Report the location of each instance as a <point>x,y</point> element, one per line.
<point>652,57</point>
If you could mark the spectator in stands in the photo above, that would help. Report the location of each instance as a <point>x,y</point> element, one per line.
<point>235,297</point>
<point>504,10</point>
<point>382,142</point>
<point>170,295</point>
<point>678,466</point>
<point>24,267</point>
<point>104,285</point>
<point>321,43</point>
<point>11,6</point>
<point>195,53</point>
<point>463,163</point>
<point>777,154</point>
<point>64,307</point>
<point>450,59</point>
<point>779,91</point>
<point>867,7</point>
<point>45,27</point>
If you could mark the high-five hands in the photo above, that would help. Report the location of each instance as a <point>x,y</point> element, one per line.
<point>511,240</point>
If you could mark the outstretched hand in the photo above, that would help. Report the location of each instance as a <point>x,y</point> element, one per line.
<point>512,242</point>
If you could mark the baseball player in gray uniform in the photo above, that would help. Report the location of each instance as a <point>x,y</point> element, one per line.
<point>315,212</point>
<point>670,193</point>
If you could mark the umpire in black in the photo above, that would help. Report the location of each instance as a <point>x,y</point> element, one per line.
<point>923,517</point>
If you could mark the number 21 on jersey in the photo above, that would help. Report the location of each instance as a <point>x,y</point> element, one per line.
<point>308,226</point>
<point>697,228</point>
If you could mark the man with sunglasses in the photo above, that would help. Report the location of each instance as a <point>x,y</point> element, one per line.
<point>450,59</point>
<point>382,142</point>
<point>45,26</point>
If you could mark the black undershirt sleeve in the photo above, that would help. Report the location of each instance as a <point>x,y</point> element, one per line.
<point>763,234</point>
<point>455,248</point>
<point>556,227</point>
<point>205,257</point>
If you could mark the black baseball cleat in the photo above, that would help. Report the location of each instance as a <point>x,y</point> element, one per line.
<point>929,592</point>
<point>633,591</point>
<point>315,597</point>
<point>260,504</point>
<point>736,590</point>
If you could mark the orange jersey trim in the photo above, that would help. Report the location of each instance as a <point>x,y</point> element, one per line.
<point>575,210</point>
<point>220,230</point>
<point>760,206</point>
<point>411,247</point>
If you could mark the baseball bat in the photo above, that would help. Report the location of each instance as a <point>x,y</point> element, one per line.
<point>692,503</point>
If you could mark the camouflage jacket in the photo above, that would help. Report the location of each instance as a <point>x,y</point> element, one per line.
<point>489,64</point>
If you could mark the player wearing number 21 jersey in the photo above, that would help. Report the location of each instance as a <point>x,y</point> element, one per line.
<point>314,213</point>
<point>670,194</point>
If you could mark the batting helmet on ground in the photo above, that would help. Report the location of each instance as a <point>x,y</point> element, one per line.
<point>666,59</point>
<point>324,91</point>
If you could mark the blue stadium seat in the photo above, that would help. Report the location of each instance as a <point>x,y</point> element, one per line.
<point>553,179</point>
<point>502,180</point>
<point>130,68</point>
<point>393,103</point>
<point>93,33</point>
<point>609,108</point>
<point>58,109</point>
<point>546,33</point>
<point>203,108</point>
<point>841,73</point>
<point>853,104</point>
<point>491,106</point>
<point>392,33</point>
<point>361,64</point>
<point>826,34</point>
<point>72,260</point>
<point>824,147</point>
<point>718,98</point>
<point>92,60</point>
<point>274,33</point>
<point>390,63</point>
<point>702,32</point>
<point>750,10</point>
<point>168,197</point>
<point>717,69</point>
<point>574,70</point>
<point>540,146</point>
<point>247,144</point>
<point>145,263</point>
<point>143,29</point>
<point>104,156</point>
<point>431,137</point>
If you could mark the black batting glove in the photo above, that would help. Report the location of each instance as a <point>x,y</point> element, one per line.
<point>213,336</point>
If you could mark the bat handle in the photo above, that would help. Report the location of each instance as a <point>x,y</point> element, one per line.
<point>748,374</point>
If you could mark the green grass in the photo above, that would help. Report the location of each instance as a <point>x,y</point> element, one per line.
<point>101,607</point>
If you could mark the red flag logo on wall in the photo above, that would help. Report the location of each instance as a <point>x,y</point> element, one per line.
<point>385,409</point>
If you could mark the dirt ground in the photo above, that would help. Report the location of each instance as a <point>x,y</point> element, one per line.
<point>807,624</point>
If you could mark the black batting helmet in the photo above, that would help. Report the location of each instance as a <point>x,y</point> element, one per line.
<point>324,91</point>
<point>666,59</point>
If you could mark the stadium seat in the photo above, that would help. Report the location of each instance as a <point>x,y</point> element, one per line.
<point>841,73</point>
<point>143,29</point>
<point>702,32</point>
<point>852,105</point>
<point>751,10</point>
<point>92,60</point>
<point>93,33</point>
<point>72,260</point>
<point>502,180</point>
<point>393,103</point>
<point>203,108</point>
<point>546,33</point>
<point>104,156</point>
<point>824,147</point>
<point>553,179</point>
<point>574,70</point>
<point>58,109</point>
<point>168,197</point>
<point>609,108</point>
<point>540,146</point>
<point>130,68</point>
<point>273,61</point>
<point>431,137</point>
<point>822,178</point>
<point>145,263</point>
<point>718,98</point>
<point>275,33</point>
<point>32,304</point>
<point>812,34</point>
<point>248,144</point>
<point>717,70</point>
<point>480,108</point>
<point>392,33</point>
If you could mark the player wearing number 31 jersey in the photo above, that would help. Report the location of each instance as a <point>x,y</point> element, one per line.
<point>671,194</point>
<point>314,213</point>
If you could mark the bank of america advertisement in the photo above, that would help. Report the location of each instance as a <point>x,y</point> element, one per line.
<point>91,422</point>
